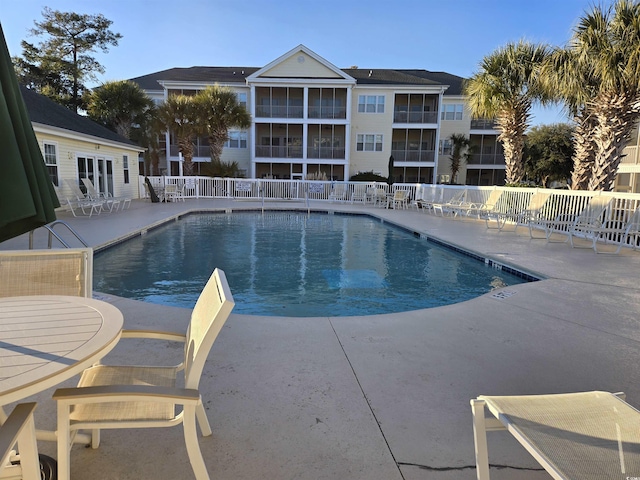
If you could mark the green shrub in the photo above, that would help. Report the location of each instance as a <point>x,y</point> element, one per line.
<point>367,177</point>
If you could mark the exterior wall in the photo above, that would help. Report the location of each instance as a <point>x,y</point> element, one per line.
<point>447,128</point>
<point>69,149</point>
<point>371,123</point>
<point>307,68</point>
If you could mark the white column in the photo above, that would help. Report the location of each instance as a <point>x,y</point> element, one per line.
<point>253,142</point>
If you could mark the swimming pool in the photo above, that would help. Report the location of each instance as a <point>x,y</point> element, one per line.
<point>294,264</point>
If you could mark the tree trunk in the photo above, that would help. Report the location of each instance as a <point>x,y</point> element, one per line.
<point>615,119</point>
<point>513,124</point>
<point>217,137</point>
<point>186,147</point>
<point>584,156</point>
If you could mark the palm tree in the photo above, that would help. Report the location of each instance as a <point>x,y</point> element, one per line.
<point>598,78</point>
<point>219,111</point>
<point>119,106</point>
<point>459,144</point>
<point>179,114</point>
<point>505,88</point>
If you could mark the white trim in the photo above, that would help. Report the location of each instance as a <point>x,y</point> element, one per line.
<point>82,137</point>
<point>344,78</point>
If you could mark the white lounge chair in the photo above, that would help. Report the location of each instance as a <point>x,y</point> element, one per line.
<point>144,397</point>
<point>19,428</point>
<point>532,216</point>
<point>624,233</point>
<point>79,202</point>
<point>484,209</point>
<point>578,436</point>
<point>359,194</point>
<point>111,202</point>
<point>65,271</point>
<point>449,206</point>
<point>583,224</point>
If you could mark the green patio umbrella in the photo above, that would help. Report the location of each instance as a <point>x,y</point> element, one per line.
<point>27,197</point>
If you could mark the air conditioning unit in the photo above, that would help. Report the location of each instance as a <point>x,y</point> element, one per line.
<point>444,178</point>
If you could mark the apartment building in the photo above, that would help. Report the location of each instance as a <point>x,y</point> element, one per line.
<point>311,119</point>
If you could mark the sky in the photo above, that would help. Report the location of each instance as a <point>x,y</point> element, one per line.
<point>438,35</point>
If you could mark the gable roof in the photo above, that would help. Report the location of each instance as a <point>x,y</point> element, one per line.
<point>47,112</point>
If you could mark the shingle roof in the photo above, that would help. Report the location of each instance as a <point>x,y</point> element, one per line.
<point>363,76</point>
<point>47,112</point>
<point>195,74</point>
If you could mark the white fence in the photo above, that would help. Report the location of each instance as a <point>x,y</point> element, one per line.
<point>512,199</point>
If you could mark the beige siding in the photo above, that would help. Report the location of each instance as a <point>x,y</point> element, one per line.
<point>309,68</point>
<point>68,150</point>
<point>371,123</point>
<point>449,127</point>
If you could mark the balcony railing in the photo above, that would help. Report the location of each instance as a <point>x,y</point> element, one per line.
<point>413,155</point>
<point>278,152</point>
<point>486,159</point>
<point>415,117</point>
<point>326,152</point>
<point>631,156</point>
<point>483,124</point>
<point>328,112</point>
<point>279,111</point>
<point>198,151</point>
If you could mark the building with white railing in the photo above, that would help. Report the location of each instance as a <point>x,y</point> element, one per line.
<point>313,119</point>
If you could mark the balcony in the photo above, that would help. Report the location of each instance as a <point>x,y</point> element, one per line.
<point>332,153</point>
<point>415,117</point>
<point>413,155</point>
<point>486,159</point>
<point>328,112</point>
<point>198,151</point>
<point>483,124</point>
<point>279,111</point>
<point>266,151</point>
<point>630,156</point>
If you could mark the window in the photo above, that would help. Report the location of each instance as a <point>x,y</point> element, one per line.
<point>125,166</point>
<point>236,139</point>
<point>371,103</point>
<point>51,160</point>
<point>445,147</point>
<point>452,112</point>
<point>366,142</point>
<point>242,99</point>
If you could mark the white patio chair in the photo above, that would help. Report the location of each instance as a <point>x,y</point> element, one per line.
<point>359,194</point>
<point>19,428</point>
<point>484,209</point>
<point>65,271</point>
<point>338,192</point>
<point>585,436</point>
<point>400,199</point>
<point>171,193</point>
<point>147,396</point>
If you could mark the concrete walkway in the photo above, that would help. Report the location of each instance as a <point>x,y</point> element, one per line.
<point>378,397</point>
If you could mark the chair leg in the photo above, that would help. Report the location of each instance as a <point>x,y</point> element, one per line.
<point>95,438</point>
<point>191,441</point>
<point>480,439</point>
<point>203,421</point>
<point>64,442</point>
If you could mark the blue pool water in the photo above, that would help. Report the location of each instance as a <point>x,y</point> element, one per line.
<point>294,264</point>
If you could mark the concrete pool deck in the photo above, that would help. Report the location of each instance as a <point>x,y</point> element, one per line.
<point>378,397</point>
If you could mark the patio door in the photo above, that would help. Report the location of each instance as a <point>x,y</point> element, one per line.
<point>86,169</point>
<point>105,176</point>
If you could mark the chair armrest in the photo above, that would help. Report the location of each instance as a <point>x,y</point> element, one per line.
<point>154,334</point>
<point>12,428</point>
<point>120,393</point>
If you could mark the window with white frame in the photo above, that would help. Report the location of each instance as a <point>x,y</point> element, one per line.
<point>242,99</point>
<point>125,167</point>
<point>446,148</point>
<point>371,103</point>
<point>51,161</point>
<point>452,111</point>
<point>368,142</point>
<point>237,139</point>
